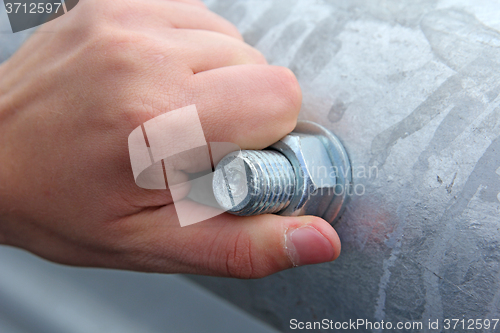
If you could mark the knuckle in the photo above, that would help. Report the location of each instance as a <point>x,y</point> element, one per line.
<point>287,96</point>
<point>233,31</point>
<point>258,57</point>
<point>287,88</point>
<point>236,52</point>
<point>112,12</point>
<point>200,3</point>
<point>249,55</point>
<point>239,261</point>
<point>98,9</point>
<point>97,17</point>
<point>114,50</point>
<point>112,60</point>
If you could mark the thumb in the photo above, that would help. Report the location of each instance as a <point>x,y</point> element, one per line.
<point>233,246</point>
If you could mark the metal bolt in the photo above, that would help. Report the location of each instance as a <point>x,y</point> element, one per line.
<point>305,173</point>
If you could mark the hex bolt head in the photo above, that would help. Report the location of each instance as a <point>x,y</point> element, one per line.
<point>305,173</point>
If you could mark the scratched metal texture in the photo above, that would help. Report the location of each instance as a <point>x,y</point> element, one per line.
<point>412,89</point>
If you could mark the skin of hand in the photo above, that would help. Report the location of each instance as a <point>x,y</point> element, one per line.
<point>75,90</point>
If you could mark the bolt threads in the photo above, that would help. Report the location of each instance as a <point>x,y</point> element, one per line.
<point>271,182</point>
<point>288,178</point>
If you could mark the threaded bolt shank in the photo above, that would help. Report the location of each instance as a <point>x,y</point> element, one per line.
<point>252,182</point>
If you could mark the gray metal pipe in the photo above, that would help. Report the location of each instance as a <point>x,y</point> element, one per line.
<point>412,90</point>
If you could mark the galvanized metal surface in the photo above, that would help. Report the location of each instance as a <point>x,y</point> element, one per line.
<point>412,90</point>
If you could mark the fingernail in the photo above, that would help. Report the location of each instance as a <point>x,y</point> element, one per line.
<point>306,246</point>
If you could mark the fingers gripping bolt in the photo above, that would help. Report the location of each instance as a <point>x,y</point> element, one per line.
<point>305,173</point>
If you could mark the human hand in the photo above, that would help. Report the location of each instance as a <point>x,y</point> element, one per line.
<point>69,99</point>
